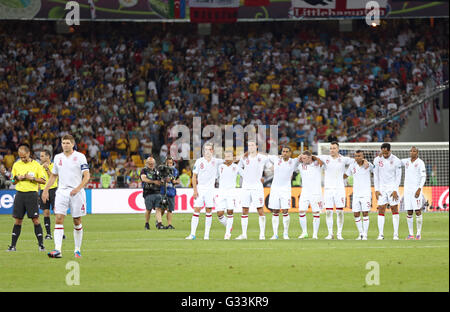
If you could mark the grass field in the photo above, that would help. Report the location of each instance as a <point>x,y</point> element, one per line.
<point>119,255</point>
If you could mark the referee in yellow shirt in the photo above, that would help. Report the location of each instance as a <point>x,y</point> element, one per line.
<point>47,166</point>
<point>27,174</point>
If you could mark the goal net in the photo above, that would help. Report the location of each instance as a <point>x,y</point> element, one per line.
<point>434,154</point>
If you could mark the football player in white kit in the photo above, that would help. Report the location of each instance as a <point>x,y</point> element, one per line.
<point>253,165</point>
<point>334,193</point>
<point>203,182</point>
<point>72,171</point>
<point>415,177</point>
<point>311,173</point>
<point>362,193</point>
<point>227,197</point>
<point>280,190</point>
<point>387,176</point>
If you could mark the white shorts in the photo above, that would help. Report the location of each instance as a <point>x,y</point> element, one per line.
<point>386,198</point>
<point>279,199</point>
<point>334,198</point>
<point>413,203</point>
<point>361,203</point>
<point>227,200</point>
<point>76,204</point>
<point>306,200</point>
<point>205,198</point>
<point>252,198</point>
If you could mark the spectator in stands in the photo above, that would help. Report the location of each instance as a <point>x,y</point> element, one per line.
<point>4,178</point>
<point>9,159</point>
<point>106,180</point>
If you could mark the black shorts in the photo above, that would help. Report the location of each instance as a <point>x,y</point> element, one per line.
<point>50,201</point>
<point>26,202</point>
<point>152,201</point>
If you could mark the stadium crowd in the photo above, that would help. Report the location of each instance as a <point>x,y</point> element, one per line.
<point>119,88</point>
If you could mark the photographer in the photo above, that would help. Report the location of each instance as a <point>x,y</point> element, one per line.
<point>151,184</point>
<point>168,202</point>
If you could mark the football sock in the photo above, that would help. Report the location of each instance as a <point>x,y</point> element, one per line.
<point>302,220</point>
<point>316,223</point>
<point>38,233</point>
<point>419,221</point>
<point>275,223</point>
<point>365,224</point>
<point>78,236</point>
<point>262,225</point>
<point>244,224</point>
<point>381,224</point>
<point>47,225</point>
<point>58,236</point>
<point>395,222</point>
<point>410,222</point>
<point>329,215</point>
<point>194,223</point>
<point>359,225</point>
<point>15,234</point>
<point>339,220</point>
<point>286,220</point>
<point>208,221</point>
<point>229,224</point>
<point>223,220</point>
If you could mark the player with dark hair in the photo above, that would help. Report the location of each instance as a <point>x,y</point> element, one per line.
<point>387,176</point>
<point>415,177</point>
<point>362,193</point>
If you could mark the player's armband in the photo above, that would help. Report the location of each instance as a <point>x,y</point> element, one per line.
<point>84,167</point>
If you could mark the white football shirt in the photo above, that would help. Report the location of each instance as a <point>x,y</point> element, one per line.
<point>361,179</point>
<point>311,178</point>
<point>415,174</point>
<point>206,172</point>
<point>334,170</point>
<point>69,169</point>
<point>228,175</point>
<point>253,169</point>
<point>387,173</point>
<point>282,172</point>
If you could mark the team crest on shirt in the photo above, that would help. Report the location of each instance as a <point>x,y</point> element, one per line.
<point>354,170</point>
<point>290,162</point>
<point>407,165</point>
<point>247,161</point>
<point>234,168</point>
<point>60,162</point>
<point>75,158</point>
<point>327,161</point>
<point>259,159</point>
<point>380,163</point>
<point>339,160</point>
<point>416,165</point>
<point>202,166</point>
<point>279,162</point>
<point>392,162</point>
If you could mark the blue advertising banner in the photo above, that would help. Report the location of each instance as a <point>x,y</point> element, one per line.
<point>7,201</point>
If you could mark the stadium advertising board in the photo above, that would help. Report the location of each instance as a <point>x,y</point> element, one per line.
<point>180,10</point>
<point>131,200</point>
<point>7,201</point>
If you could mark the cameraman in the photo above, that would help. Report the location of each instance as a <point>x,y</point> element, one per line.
<point>171,180</point>
<point>151,183</point>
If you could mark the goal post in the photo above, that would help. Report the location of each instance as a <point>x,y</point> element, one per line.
<point>434,154</point>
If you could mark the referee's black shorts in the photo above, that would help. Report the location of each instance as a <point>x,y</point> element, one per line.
<point>26,202</point>
<point>50,201</point>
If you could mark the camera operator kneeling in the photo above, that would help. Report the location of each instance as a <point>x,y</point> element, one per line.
<point>151,184</point>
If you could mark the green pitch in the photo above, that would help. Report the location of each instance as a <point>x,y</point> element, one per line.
<point>119,255</point>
